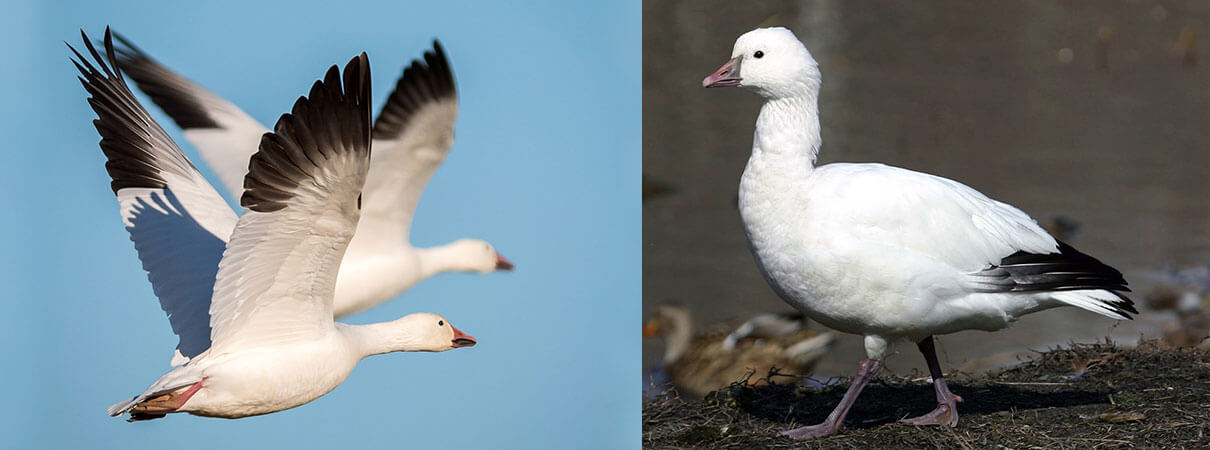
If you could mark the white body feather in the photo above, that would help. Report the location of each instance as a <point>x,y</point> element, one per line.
<point>869,249</point>
<point>256,326</point>
<point>380,263</point>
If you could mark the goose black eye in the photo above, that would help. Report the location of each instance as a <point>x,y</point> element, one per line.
<point>440,323</point>
<point>358,202</point>
<point>758,55</point>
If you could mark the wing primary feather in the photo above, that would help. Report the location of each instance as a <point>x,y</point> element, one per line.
<point>1067,270</point>
<point>423,82</point>
<point>305,137</point>
<point>176,220</point>
<point>129,137</point>
<point>225,136</point>
<point>277,279</point>
<point>173,93</point>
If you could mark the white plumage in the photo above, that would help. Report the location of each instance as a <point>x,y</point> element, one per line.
<point>411,139</point>
<point>884,252</point>
<point>257,324</point>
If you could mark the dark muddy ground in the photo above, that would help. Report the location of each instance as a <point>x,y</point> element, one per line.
<point>1086,396</point>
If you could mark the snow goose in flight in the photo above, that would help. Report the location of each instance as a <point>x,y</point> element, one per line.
<point>884,252</point>
<point>273,342</point>
<point>411,137</point>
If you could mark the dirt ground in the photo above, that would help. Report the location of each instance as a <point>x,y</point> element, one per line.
<point>1085,396</point>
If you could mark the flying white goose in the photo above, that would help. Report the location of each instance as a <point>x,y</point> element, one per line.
<point>411,137</point>
<point>273,342</point>
<point>884,252</point>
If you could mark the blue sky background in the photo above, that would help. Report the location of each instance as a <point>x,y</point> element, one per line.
<point>546,166</point>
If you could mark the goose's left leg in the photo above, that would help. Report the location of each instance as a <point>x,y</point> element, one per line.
<point>157,407</point>
<point>947,403</point>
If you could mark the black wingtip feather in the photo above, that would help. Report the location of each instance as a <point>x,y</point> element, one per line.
<point>1067,270</point>
<point>171,92</point>
<point>422,83</point>
<point>327,122</point>
<point>129,136</point>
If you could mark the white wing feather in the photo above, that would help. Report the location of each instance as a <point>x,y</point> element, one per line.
<point>179,224</point>
<point>949,221</point>
<point>276,280</point>
<point>412,136</point>
<point>227,149</point>
<point>225,135</point>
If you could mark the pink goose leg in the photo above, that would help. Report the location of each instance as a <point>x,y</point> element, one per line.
<point>947,403</point>
<point>157,407</point>
<point>835,421</point>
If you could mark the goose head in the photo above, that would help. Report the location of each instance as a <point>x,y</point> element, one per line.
<point>770,61</point>
<point>425,332</point>
<point>675,324</point>
<point>479,256</point>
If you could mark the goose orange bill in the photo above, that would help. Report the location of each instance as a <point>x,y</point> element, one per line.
<point>462,339</point>
<point>651,328</point>
<point>503,263</point>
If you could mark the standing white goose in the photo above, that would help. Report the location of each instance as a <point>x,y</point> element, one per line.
<point>411,138</point>
<point>884,252</point>
<point>274,344</point>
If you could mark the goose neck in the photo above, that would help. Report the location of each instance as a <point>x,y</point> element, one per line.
<point>788,128</point>
<point>680,334</point>
<point>442,258</point>
<point>378,338</point>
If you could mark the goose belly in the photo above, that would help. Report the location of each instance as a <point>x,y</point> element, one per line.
<point>817,286</point>
<point>268,380</point>
<point>873,289</point>
<point>847,283</point>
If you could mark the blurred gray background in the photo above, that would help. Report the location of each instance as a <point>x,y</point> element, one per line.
<point>1096,111</point>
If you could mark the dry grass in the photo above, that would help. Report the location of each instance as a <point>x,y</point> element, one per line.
<point>1087,396</point>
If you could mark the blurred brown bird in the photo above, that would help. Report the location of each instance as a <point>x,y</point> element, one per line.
<point>731,351</point>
